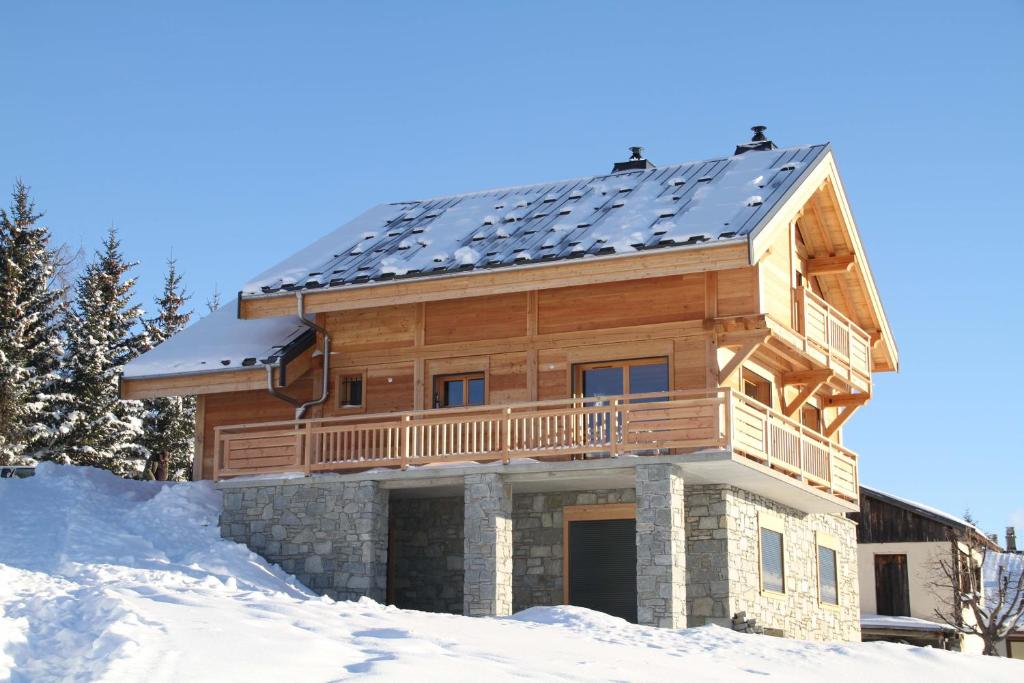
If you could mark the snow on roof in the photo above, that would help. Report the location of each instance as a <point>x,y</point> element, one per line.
<point>1012,565</point>
<point>220,341</point>
<point>693,204</point>
<point>882,621</point>
<point>934,512</point>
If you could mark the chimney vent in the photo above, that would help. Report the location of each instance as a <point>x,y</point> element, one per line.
<point>636,161</point>
<point>758,143</point>
<point>1011,539</point>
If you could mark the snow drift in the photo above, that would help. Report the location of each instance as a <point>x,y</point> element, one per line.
<point>103,579</point>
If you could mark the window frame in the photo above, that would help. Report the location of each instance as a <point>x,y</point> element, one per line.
<point>768,521</point>
<point>437,394</point>
<point>339,379</point>
<point>759,381</point>
<point>817,411</point>
<point>579,368</point>
<point>828,542</point>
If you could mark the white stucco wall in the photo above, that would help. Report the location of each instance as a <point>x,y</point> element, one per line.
<point>922,572</point>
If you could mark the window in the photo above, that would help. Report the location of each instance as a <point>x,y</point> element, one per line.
<point>772,578</point>
<point>614,378</point>
<point>351,390</point>
<point>810,417</point>
<point>773,569</point>
<point>892,587</point>
<point>828,577</point>
<point>757,387</point>
<point>454,391</point>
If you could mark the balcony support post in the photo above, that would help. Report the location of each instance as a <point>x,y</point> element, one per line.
<point>660,546</point>
<point>487,546</point>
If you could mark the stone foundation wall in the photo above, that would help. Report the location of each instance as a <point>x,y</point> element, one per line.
<point>492,552</point>
<point>537,541</point>
<point>724,566</point>
<point>331,536</point>
<point>707,545</point>
<point>798,613</point>
<point>426,554</point>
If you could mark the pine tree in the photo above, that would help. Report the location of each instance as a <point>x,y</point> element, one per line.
<point>168,428</point>
<point>104,332</point>
<point>31,306</point>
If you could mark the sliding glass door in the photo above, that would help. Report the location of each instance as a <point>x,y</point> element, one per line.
<point>614,378</point>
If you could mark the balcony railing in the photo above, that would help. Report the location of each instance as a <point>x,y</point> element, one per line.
<point>674,422</point>
<point>834,339</point>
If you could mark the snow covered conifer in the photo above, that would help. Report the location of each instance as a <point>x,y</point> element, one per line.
<point>104,332</point>
<point>169,421</point>
<point>31,305</point>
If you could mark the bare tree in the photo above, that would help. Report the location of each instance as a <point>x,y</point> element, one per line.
<point>982,585</point>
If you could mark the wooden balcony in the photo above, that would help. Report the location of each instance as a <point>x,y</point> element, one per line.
<point>833,340</point>
<point>668,423</point>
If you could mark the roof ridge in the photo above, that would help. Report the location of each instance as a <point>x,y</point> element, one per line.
<point>577,179</point>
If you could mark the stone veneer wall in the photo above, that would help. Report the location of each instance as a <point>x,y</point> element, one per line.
<point>724,566</point>
<point>660,545</point>
<point>487,556</point>
<point>537,541</point>
<point>332,536</point>
<point>427,550</point>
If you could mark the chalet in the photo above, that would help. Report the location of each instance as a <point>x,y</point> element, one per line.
<point>899,545</point>
<point>623,391</point>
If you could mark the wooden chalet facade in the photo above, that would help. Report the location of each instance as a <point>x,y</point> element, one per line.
<point>732,353</point>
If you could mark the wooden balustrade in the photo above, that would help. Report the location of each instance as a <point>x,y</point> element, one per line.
<point>781,443</point>
<point>833,337</point>
<point>659,423</point>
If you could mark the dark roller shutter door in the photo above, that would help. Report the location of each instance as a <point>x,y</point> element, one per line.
<point>602,566</point>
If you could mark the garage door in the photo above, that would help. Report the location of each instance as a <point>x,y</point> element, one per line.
<point>602,566</point>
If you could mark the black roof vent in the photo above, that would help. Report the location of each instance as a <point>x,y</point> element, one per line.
<point>636,161</point>
<point>758,143</point>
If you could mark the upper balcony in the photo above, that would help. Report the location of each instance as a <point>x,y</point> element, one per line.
<point>830,339</point>
<point>677,423</point>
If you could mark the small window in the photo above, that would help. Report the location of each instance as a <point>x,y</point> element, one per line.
<point>772,569</point>
<point>828,577</point>
<point>350,390</point>
<point>757,387</point>
<point>810,417</point>
<point>454,391</point>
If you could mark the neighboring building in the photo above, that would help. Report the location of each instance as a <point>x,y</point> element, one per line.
<point>1012,563</point>
<point>624,392</point>
<point>899,545</point>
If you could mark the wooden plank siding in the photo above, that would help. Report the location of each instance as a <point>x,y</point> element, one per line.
<point>526,344</point>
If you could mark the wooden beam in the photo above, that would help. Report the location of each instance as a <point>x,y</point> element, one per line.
<point>806,377</point>
<point>744,352</point>
<point>830,265</point>
<point>847,400</point>
<point>482,282</point>
<point>790,408</point>
<point>844,415</point>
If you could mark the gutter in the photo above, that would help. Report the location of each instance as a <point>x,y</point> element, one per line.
<point>300,407</point>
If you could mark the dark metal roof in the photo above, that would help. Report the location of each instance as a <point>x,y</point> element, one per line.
<point>696,203</point>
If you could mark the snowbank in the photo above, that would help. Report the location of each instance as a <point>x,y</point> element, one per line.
<point>109,580</point>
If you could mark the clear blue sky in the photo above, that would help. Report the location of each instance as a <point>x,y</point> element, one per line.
<point>234,133</point>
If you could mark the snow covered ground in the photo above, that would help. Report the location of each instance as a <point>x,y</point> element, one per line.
<point>108,580</point>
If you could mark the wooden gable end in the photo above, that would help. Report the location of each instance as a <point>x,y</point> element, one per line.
<point>880,521</point>
<point>816,226</point>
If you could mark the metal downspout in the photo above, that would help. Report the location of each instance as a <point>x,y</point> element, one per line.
<point>300,408</point>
